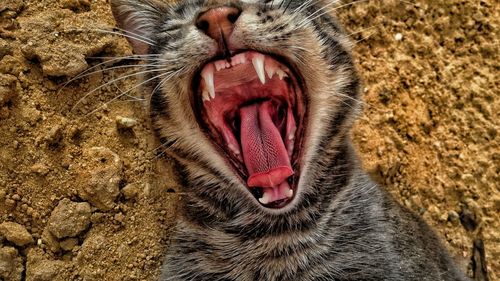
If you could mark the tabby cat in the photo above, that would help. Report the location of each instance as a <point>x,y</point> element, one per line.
<point>255,100</point>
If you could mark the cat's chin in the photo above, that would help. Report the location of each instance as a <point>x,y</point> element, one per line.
<point>252,108</point>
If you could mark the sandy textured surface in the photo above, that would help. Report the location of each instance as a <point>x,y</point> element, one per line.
<point>84,194</point>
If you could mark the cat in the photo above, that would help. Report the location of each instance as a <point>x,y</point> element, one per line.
<point>255,101</point>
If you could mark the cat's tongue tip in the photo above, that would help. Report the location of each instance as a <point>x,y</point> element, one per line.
<point>272,178</point>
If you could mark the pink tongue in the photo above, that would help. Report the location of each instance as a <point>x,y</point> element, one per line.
<point>264,152</point>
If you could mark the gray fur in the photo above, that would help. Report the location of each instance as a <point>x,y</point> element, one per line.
<point>341,225</point>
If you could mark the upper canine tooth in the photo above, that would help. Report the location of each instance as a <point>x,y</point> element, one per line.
<point>258,63</point>
<point>208,76</point>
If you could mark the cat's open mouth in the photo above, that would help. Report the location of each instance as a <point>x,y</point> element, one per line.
<point>252,108</point>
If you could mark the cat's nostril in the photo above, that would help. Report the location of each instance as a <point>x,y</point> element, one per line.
<point>202,25</point>
<point>218,22</point>
<point>233,17</point>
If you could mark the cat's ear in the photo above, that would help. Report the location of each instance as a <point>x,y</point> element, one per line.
<point>138,18</point>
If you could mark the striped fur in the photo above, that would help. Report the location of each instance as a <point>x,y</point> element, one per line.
<point>340,226</point>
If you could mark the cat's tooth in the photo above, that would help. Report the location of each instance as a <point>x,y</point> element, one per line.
<point>205,96</point>
<point>270,71</point>
<point>208,76</point>
<point>265,198</point>
<point>289,193</point>
<point>220,65</point>
<point>281,74</point>
<point>258,63</point>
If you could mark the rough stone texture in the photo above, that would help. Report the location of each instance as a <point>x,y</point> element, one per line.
<point>131,191</point>
<point>69,219</point>
<point>8,91</point>
<point>75,4</point>
<point>7,88</point>
<point>5,48</point>
<point>16,233</point>
<point>50,241</point>
<point>44,40</point>
<point>11,5</point>
<point>69,244</point>
<point>40,269</point>
<point>101,177</point>
<point>11,267</point>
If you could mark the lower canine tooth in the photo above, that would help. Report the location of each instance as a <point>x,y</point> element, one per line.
<point>265,199</point>
<point>289,193</point>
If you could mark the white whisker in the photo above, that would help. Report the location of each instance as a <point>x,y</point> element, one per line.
<point>128,91</point>
<point>150,43</point>
<point>134,34</point>
<point>83,75</point>
<point>112,81</point>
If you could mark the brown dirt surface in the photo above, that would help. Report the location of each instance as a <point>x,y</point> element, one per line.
<point>80,171</point>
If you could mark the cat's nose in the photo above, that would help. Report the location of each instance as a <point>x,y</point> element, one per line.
<point>218,23</point>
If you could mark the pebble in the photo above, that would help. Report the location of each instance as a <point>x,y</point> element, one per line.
<point>16,233</point>
<point>69,219</point>
<point>11,267</point>
<point>131,191</point>
<point>40,169</point>
<point>125,123</point>
<point>453,217</point>
<point>119,217</point>
<point>102,179</point>
<point>398,37</point>
<point>54,136</point>
<point>10,203</point>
